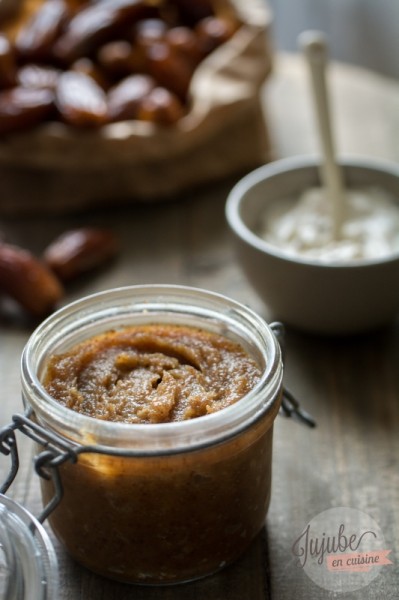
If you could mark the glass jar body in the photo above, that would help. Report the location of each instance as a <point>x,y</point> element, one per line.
<point>167,519</point>
<point>163,503</point>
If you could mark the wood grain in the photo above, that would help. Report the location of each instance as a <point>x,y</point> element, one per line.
<point>350,385</point>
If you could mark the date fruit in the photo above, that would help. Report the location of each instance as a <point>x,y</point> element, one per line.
<point>161,106</point>
<point>80,250</point>
<point>212,32</point>
<point>88,67</point>
<point>21,108</point>
<point>169,69</point>
<point>35,40</point>
<point>38,76</point>
<point>97,23</point>
<point>125,98</point>
<point>148,31</point>
<point>184,41</point>
<point>191,11</point>
<point>119,58</point>
<point>80,100</point>
<point>28,281</point>
<point>8,67</point>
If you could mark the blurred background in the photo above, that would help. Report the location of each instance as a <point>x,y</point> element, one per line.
<point>361,32</point>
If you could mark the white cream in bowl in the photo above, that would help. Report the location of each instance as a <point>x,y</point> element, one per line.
<point>304,226</point>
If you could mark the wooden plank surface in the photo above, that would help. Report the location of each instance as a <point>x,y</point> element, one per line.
<point>350,385</point>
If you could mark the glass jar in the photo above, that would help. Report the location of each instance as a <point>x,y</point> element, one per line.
<point>28,564</point>
<point>158,503</point>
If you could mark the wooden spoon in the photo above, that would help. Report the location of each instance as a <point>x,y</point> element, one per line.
<point>314,47</point>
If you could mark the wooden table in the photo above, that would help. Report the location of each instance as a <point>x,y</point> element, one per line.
<point>350,385</point>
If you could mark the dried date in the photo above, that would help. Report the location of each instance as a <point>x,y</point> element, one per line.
<point>125,98</point>
<point>80,101</point>
<point>38,76</point>
<point>95,24</point>
<point>184,42</point>
<point>28,281</point>
<point>161,106</point>
<point>21,108</point>
<point>35,40</point>
<point>148,31</point>
<point>190,12</point>
<point>169,69</point>
<point>212,32</point>
<point>80,250</point>
<point>88,67</point>
<point>8,66</point>
<point>119,58</point>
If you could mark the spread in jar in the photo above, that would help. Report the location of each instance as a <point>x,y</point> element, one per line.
<point>151,374</point>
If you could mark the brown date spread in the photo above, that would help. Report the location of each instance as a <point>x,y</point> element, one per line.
<point>151,374</point>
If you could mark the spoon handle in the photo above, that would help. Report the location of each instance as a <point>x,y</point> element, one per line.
<point>314,47</point>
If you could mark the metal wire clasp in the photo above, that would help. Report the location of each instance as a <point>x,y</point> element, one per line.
<point>290,406</point>
<point>46,463</point>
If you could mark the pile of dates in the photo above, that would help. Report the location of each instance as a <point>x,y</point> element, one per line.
<point>36,284</point>
<point>89,63</point>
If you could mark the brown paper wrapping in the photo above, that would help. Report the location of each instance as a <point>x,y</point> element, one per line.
<point>54,168</point>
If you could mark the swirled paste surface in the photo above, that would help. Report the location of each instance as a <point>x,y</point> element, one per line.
<point>151,374</point>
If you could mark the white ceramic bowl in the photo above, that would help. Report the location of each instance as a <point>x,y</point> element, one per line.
<point>307,294</point>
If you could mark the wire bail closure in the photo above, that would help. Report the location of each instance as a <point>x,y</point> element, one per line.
<point>290,406</point>
<point>46,462</point>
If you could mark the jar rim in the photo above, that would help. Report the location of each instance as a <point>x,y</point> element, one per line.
<point>116,305</point>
